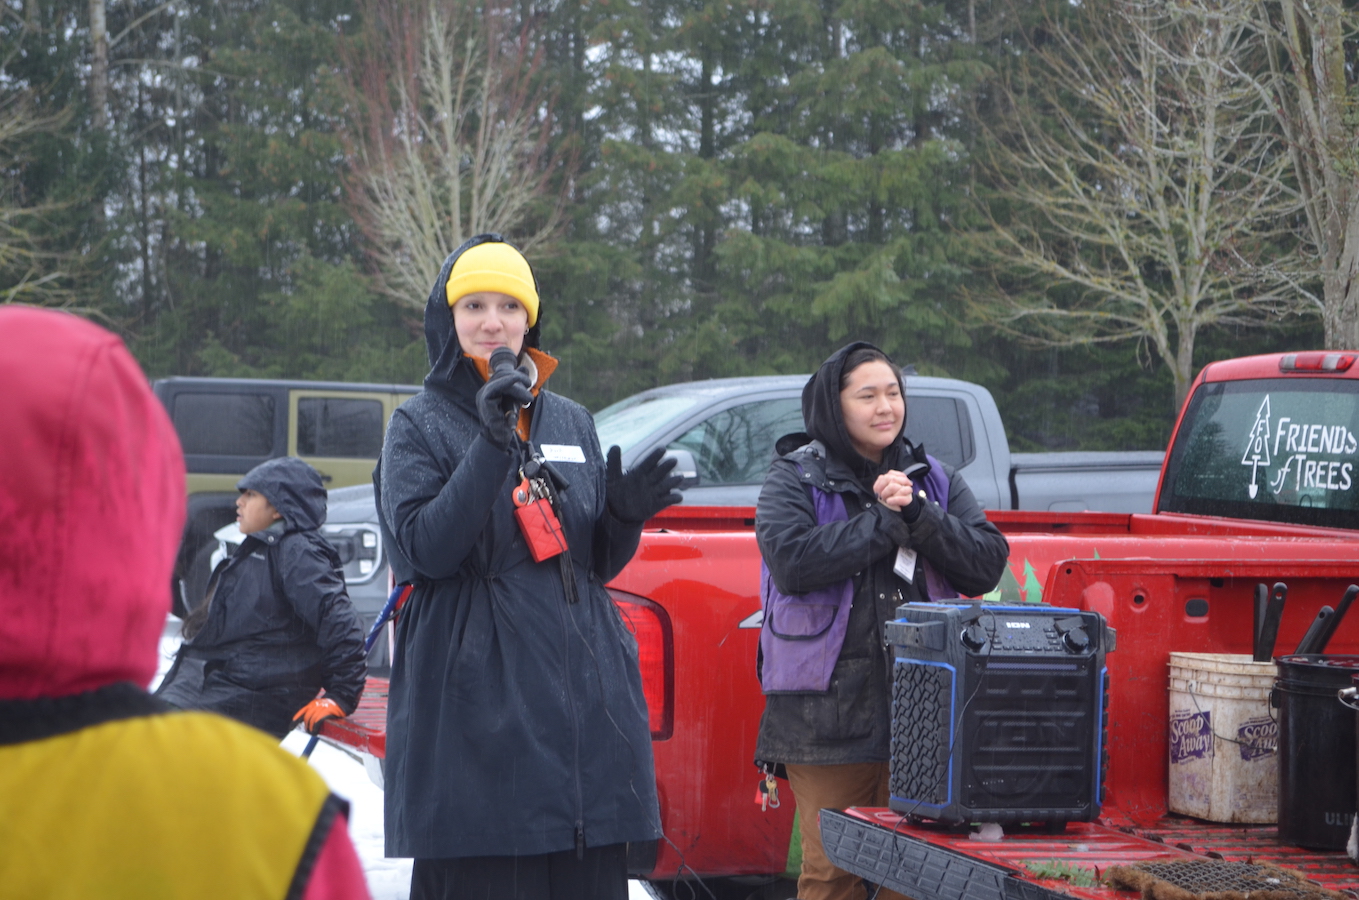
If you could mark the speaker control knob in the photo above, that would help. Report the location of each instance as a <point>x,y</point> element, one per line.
<point>1076,640</point>
<point>974,637</point>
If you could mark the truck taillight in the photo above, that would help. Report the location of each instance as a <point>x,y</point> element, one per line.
<point>650,625</point>
<point>1316,362</point>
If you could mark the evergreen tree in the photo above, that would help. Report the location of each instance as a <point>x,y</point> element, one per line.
<point>239,246</point>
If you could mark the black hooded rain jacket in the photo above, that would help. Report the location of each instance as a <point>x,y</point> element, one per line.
<point>280,625</point>
<point>850,723</point>
<point>516,721</point>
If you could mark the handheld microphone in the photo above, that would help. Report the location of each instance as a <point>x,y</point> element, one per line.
<point>503,362</point>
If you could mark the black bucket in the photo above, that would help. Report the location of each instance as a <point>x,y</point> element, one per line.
<point>1317,750</point>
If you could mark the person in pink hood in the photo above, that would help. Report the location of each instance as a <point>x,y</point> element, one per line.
<point>105,790</point>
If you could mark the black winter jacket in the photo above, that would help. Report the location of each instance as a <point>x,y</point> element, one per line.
<point>850,723</point>
<point>280,625</point>
<point>516,722</point>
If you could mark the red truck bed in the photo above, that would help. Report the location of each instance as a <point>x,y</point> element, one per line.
<point>928,862</point>
<point>366,730</point>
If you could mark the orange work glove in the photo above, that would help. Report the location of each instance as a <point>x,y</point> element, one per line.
<point>316,712</point>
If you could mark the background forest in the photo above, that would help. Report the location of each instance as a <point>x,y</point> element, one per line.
<point>1077,205</point>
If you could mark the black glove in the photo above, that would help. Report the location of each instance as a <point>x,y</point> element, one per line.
<point>642,491</point>
<point>498,404</point>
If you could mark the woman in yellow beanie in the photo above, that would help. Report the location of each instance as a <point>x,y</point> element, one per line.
<point>518,751</point>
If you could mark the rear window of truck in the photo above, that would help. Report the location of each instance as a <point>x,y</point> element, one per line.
<point>234,424</point>
<point>1277,449</point>
<point>339,427</point>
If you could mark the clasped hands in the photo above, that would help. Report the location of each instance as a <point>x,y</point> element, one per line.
<point>894,490</point>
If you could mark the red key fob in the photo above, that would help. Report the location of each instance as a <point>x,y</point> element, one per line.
<point>539,524</point>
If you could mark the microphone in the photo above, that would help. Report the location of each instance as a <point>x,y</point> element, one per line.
<point>503,362</point>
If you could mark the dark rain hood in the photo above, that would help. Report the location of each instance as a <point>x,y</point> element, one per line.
<point>826,422</point>
<point>293,487</point>
<point>450,372</point>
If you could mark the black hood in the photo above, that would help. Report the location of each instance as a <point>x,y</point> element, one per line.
<point>441,341</point>
<point>293,487</point>
<point>826,422</point>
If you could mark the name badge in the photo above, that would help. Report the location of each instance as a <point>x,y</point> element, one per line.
<point>562,453</point>
<point>905,564</point>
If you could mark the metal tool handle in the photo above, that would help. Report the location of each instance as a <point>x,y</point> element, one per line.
<point>1269,628</point>
<point>1334,623</point>
<point>1312,639</point>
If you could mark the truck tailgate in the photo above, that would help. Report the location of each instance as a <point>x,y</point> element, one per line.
<point>929,862</point>
<point>365,730</point>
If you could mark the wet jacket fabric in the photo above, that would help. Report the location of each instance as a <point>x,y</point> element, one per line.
<point>850,722</point>
<point>280,623</point>
<point>101,782</point>
<point>516,722</point>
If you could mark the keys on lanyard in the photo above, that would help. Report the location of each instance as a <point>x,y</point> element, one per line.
<point>529,490</point>
<point>533,511</point>
<point>767,793</point>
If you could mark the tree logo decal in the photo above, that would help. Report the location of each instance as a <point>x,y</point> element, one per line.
<point>1257,445</point>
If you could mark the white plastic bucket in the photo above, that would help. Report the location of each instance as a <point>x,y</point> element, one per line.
<point>1223,740</point>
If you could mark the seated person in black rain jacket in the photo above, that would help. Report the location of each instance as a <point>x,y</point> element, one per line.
<point>277,624</point>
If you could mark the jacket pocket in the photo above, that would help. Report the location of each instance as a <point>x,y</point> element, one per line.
<point>801,618</point>
<point>801,636</point>
<point>846,712</point>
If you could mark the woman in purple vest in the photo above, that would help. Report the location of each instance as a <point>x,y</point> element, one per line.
<point>853,520</point>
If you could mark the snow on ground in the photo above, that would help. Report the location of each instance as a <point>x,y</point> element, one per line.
<point>388,879</point>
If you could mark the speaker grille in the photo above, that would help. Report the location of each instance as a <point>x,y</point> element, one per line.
<point>922,716</point>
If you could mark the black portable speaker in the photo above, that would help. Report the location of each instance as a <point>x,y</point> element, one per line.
<point>998,712</point>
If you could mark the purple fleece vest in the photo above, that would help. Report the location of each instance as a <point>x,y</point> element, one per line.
<point>802,634</point>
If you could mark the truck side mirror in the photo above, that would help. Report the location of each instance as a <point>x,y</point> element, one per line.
<point>685,467</point>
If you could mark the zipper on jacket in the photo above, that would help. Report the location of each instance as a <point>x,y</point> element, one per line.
<point>565,613</point>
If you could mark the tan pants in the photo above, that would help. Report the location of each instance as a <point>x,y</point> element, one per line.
<point>834,787</point>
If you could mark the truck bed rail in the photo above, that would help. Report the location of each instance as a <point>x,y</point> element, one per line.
<point>930,862</point>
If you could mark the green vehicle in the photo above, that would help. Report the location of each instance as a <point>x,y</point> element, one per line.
<point>227,426</point>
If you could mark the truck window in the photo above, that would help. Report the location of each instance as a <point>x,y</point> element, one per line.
<point>225,424</point>
<point>629,421</point>
<point>736,445</point>
<point>941,424</point>
<point>1277,449</point>
<point>334,427</point>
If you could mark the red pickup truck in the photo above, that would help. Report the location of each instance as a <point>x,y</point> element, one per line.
<point>1259,485</point>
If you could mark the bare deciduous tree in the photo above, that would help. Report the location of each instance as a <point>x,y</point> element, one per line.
<point>450,138</point>
<point>1146,181</point>
<point>33,269</point>
<point>1312,79</point>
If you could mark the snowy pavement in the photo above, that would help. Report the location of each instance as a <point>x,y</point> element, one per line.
<point>388,879</point>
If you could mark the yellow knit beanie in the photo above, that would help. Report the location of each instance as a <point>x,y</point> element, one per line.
<point>494,266</point>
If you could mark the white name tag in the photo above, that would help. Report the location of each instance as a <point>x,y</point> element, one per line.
<point>562,453</point>
<point>905,564</point>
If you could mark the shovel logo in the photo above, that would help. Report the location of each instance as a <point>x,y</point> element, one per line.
<point>1257,446</point>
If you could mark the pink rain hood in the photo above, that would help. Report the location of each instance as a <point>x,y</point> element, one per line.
<point>91,508</point>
